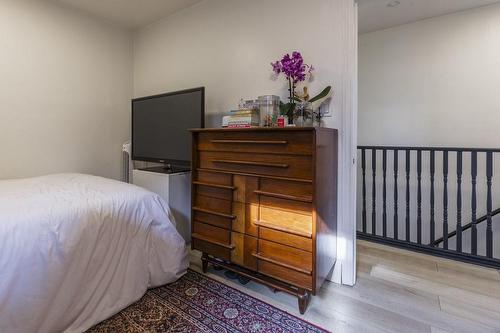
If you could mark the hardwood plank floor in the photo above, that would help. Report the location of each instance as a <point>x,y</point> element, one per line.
<point>396,291</point>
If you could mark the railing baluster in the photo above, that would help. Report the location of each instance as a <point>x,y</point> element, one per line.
<point>473,234</point>
<point>396,234</point>
<point>445,199</point>
<point>374,191</point>
<point>459,202</point>
<point>489,230</point>
<point>419,197</point>
<point>407,195</point>
<point>384,194</point>
<point>363,168</point>
<point>432,171</point>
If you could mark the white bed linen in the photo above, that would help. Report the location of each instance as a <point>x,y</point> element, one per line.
<point>76,249</point>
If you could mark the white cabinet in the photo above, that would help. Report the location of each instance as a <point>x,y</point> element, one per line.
<point>175,189</point>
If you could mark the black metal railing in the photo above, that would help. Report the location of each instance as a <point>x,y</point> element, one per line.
<point>430,220</point>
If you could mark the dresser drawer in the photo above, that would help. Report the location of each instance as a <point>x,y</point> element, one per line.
<point>286,256</point>
<point>214,191</point>
<point>212,219</point>
<point>285,274</point>
<point>299,167</point>
<point>285,238</point>
<point>292,206</point>
<point>209,247</point>
<point>299,191</point>
<point>215,206</point>
<point>237,248</point>
<point>296,224</point>
<point>206,177</point>
<point>257,142</point>
<point>215,234</point>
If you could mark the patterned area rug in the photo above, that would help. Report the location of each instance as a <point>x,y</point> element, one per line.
<point>198,304</point>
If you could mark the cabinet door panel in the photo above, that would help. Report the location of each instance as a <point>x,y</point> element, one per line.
<point>245,187</point>
<point>245,214</point>
<point>244,248</point>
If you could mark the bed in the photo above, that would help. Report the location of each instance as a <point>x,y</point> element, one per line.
<point>76,249</point>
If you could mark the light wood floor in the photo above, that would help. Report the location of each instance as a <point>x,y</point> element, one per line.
<point>397,291</point>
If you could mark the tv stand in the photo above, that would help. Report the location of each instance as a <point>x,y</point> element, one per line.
<point>175,189</point>
<point>168,169</point>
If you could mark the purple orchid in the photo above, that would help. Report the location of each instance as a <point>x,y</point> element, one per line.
<point>293,67</point>
<point>295,71</point>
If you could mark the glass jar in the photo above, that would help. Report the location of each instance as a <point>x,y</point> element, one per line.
<point>269,106</point>
<point>303,116</point>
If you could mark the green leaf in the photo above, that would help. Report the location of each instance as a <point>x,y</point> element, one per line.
<point>296,99</point>
<point>321,95</point>
<point>287,109</point>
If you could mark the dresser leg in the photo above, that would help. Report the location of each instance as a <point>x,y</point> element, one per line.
<point>204,262</point>
<point>303,297</point>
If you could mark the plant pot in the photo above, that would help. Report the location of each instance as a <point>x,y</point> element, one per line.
<point>303,116</point>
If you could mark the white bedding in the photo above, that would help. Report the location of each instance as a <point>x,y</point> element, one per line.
<point>76,249</point>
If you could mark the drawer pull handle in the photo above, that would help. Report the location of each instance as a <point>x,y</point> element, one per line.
<point>262,142</point>
<point>264,164</point>
<point>210,240</point>
<point>224,187</point>
<point>211,212</point>
<point>283,229</point>
<point>279,263</point>
<point>283,196</point>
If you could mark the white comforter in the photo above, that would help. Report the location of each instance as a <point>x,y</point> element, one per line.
<point>76,249</point>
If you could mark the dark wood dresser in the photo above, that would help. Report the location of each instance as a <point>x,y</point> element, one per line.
<point>264,204</point>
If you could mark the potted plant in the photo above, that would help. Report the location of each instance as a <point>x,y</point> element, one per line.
<point>299,107</point>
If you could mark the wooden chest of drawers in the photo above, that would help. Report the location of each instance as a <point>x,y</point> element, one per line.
<point>264,204</point>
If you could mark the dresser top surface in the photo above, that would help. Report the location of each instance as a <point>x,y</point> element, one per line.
<point>262,129</point>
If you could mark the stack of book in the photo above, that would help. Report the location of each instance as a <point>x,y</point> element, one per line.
<point>243,118</point>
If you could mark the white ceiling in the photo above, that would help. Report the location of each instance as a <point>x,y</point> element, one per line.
<point>129,13</point>
<point>376,15</point>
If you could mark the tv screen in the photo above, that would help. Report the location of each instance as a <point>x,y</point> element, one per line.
<point>160,125</point>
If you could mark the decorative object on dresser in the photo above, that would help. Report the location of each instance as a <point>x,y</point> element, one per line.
<point>264,204</point>
<point>299,107</point>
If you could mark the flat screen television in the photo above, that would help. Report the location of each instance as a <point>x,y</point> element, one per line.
<point>160,126</point>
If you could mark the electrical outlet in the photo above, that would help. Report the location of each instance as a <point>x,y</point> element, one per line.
<point>325,109</point>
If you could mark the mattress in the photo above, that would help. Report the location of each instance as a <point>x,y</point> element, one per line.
<point>76,249</point>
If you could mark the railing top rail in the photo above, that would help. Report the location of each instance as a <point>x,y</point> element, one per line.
<point>453,149</point>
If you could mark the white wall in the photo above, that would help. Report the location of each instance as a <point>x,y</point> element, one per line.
<point>228,45</point>
<point>65,88</point>
<point>433,82</point>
